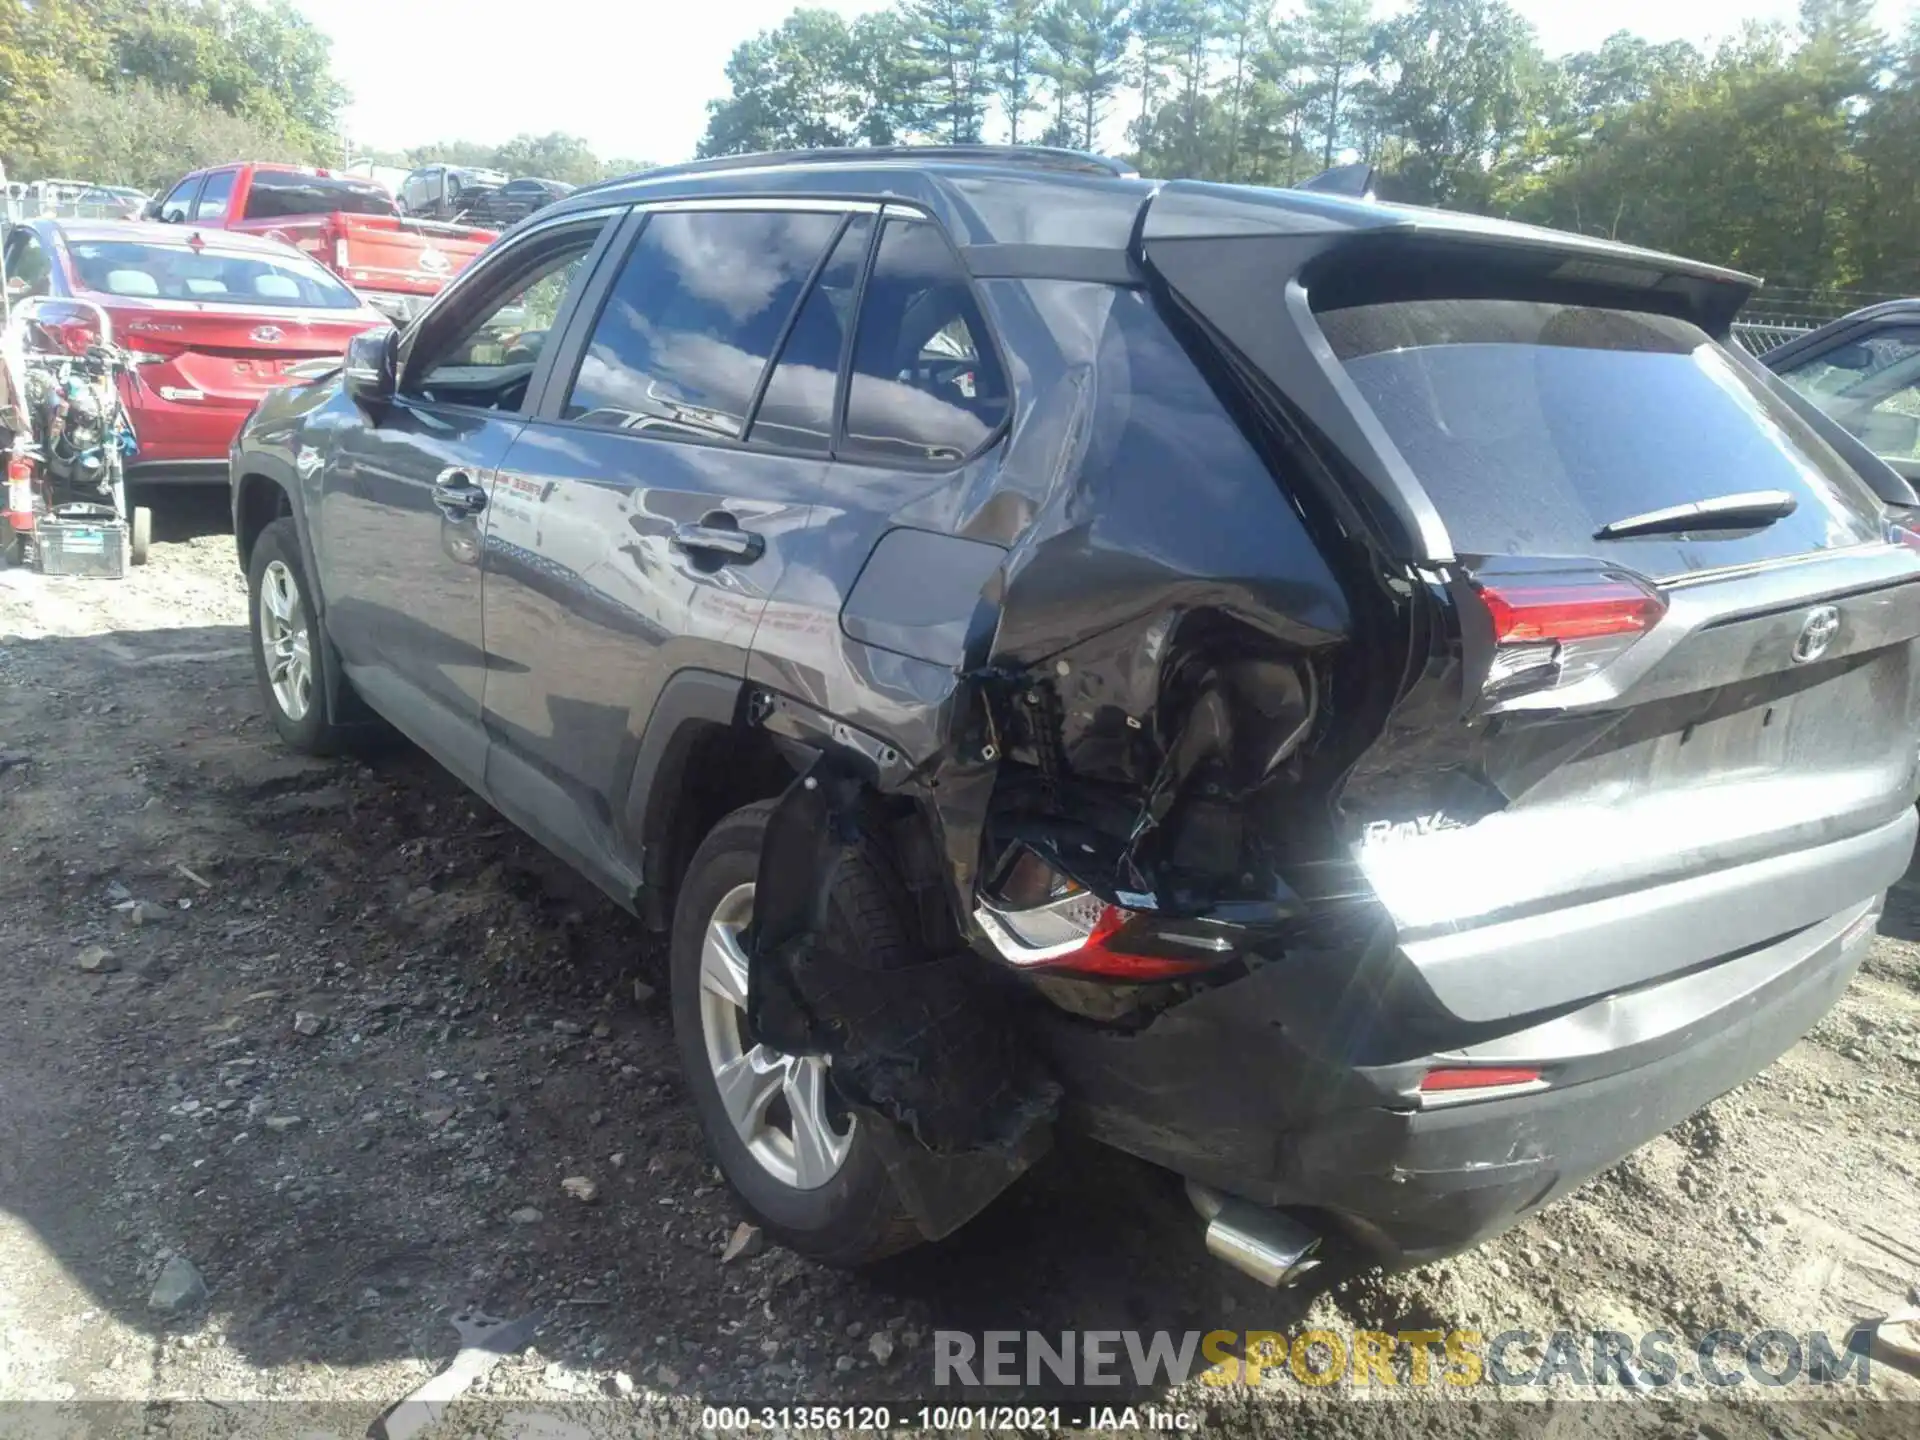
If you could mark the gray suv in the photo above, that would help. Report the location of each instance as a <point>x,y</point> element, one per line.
<point>1377,711</point>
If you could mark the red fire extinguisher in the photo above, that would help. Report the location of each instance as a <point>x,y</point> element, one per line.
<point>21,504</point>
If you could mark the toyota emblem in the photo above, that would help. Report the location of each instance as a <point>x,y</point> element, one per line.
<point>433,260</point>
<point>1816,634</point>
<point>267,334</point>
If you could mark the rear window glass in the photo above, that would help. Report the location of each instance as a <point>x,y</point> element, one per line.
<point>1532,425</point>
<point>215,277</point>
<point>278,193</point>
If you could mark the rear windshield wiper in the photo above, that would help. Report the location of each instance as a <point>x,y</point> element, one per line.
<point>1748,510</point>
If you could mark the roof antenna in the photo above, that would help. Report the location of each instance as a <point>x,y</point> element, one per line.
<point>1354,181</point>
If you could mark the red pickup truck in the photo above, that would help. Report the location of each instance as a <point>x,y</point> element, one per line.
<point>351,226</point>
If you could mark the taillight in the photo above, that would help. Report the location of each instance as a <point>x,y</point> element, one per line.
<point>69,329</point>
<point>1553,628</point>
<point>1042,920</point>
<point>1584,610</point>
<point>1454,1084</point>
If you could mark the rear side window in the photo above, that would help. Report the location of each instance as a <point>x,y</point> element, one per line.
<point>212,204</point>
<point>1533,425</point>
<point>796,413</point>
<point>688,327</point>
<point>926,385</point>
<point>277,194</point>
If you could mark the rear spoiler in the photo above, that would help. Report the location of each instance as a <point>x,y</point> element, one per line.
<point>1252,267</point>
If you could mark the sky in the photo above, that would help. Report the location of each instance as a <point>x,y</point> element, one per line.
<point>634,78</point>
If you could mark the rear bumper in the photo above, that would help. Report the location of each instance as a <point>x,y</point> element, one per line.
<point>178,472</point>
<point>1299,1084</point>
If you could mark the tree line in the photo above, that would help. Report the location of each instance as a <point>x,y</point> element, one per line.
<point>139,92</point>
<point>1792,151</point>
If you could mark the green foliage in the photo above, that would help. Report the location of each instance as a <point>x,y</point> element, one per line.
<point>106,86</point>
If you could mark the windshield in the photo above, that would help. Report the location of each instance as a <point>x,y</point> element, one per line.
<point>1533,425</point>
<point>176,272</point>
<point>275,194</point>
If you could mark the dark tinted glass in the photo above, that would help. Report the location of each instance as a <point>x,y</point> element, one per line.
<point>797,409</point>
<point>687,329</point>
<point>1533,425</point>
<point>926,384</point>
<point>278,193</point>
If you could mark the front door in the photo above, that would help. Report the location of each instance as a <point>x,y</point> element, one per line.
<point>632,531</point>
<point>406,495</point>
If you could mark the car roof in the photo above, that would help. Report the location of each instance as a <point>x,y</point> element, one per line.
<point>154,232</point>
<point>1813,339</point>
<point>1025,195</point>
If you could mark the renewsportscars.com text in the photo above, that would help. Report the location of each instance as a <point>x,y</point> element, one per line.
<point>1658,1359</point>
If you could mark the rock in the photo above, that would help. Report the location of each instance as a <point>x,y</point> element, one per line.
<point>844,1364</point>
<point>568,1027</point>
<point>601,1030</point>
<point>258,1106</point>
<point>97,960</point>
<point>745,1243</point>
<point>436,1118</point>
<point>642,992</point>
<point>881,1347</point>
<point>622,1383</point>
<point>178,1288</point>
<point>596,1117</point>
<point>581,1189</point>
<point>617,1159</point>
<point>568,1382</point>
<point>855,1330</point>
<point>145,912</point>
<point>436,1075</point>
<point>306,1022</point>
<point>525,1215</point>
<point>118,894</point>
<point>666,1375</point>
<point>282,1123</point>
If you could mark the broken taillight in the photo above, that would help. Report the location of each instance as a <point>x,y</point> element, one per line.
<point>1552,628</point>
<point>1040,919</point>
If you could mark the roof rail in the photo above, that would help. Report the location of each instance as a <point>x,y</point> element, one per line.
<point>1037,157</point>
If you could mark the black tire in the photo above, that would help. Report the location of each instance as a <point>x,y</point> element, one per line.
<point>856,1218</point>
<point>311,733</point>
<point>142,534</point>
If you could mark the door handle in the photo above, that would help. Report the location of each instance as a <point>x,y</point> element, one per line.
<point>455,494</point>
<point>719,534</point>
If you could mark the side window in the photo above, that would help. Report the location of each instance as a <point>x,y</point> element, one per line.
<point>212,204</point>
<point>688,326</point>
<point>29,268</point>
<point>175,207</point>
<point>796,412</point>
<point>1872,387</point>
<point>487,354</point>
<point>926,385</point>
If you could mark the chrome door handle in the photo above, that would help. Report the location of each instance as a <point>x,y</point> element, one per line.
<point>455,494</point>
<point>719,534</point>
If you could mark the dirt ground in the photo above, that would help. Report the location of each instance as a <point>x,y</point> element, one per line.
<point>487,1026</point>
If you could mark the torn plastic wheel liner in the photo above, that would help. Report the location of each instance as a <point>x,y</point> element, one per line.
<point>934,1046</point>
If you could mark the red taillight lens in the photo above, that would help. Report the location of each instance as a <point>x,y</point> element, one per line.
<point>1530,613</point>
<point>1105,956</point>
<point>1478,1077</point>
<point>68,329</point>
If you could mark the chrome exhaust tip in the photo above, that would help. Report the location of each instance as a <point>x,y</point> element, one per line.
<point>1273,1248</point>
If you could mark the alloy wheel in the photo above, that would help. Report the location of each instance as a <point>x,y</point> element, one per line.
<point>284,640</point>
<point>782,1106</point>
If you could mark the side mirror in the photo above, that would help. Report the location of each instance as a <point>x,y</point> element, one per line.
<point>368,373</point>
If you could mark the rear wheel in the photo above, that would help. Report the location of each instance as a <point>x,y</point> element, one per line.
<point>142,533</point>
<point>805,1169</point>
<point>286,640</point>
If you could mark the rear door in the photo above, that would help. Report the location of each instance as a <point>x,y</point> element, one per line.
<point>1672,648</point>
<point>1867,377</point>
<point>633,531</point>
<point>403,513</point>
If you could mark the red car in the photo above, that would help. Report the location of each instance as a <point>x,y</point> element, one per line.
<point>214,320</point>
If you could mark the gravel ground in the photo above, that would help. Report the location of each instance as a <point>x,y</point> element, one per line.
<point>355,1032</point>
